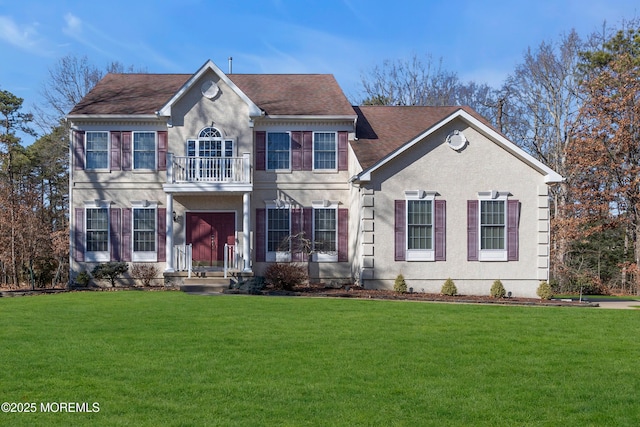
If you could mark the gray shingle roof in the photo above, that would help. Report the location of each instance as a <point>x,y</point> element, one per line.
<point>381,130</point>
<point>276,94</point>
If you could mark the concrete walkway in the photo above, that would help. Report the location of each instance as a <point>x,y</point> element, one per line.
<point>629,305</point>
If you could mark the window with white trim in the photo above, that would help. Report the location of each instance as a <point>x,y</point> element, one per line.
<point>97,232</point>
<point>210,156</point>
<point>97,150</point>
<point>325,231</point>
<point>278,151</point>
<point>492,217</point>
<point>145,232</point>
<point>420,225</point>
<point>278,232</point>
<point>144,150</point>
<point>325,151</point>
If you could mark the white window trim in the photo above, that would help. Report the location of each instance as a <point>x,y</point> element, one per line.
<point>133,151</point>
<point>324,256</point>
<point>144,256</point>
<point>492,254</point>
<point>97,256</point>
<point>266,153</point>
<point>419,254</point>
<point>108,167</point>
<point>335,152</point>
<point>276,256</point>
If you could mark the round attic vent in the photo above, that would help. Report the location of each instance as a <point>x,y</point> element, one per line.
<point>456,140</point>
<point>209,89</point>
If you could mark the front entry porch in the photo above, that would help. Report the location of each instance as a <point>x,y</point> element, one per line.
<point>211,239</point>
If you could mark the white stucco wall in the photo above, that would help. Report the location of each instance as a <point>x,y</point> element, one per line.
<point>457,177</point>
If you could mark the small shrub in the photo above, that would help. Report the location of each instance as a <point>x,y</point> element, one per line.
<point>144,273</point>
<point>83,278</point>
<point>285,276</point>
<point>400,285</point>
<point>544,290</point>
<point>449,288</point>
<point>110,271</point>
<point>497,290</point>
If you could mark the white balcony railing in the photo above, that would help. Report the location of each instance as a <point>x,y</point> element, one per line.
<point>208,169</point>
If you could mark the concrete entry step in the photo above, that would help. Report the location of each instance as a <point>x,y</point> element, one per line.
<point>212,282</point>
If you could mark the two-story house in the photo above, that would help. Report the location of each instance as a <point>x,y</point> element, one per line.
<point>216,170</point>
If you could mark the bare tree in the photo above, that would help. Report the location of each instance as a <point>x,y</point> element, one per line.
<point>70,79</point>
<point>424,82</point>
<point>541,102</point>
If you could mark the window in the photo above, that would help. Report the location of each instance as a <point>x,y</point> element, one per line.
<point>278,150</point>
<point>419,225</point>
<point>492,225</point>
<point>97,234</point>
<point>214,152</point>
<point>144,150</point>
<point>278,232</point>
<point>324,150</point>
<point>144,230</point>
<point>325,232</point>
<point>97,150</point>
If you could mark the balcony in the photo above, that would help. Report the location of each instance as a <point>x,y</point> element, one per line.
<point>208,174</point>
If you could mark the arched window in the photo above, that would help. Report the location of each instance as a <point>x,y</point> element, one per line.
<point>209,132</point>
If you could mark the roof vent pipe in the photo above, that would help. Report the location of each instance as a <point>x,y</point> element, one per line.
<point>230,65</point>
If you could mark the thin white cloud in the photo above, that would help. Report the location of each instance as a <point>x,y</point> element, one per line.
<point>94,38</point>
<point>25,37</point>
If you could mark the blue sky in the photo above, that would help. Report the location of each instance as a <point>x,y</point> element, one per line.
<point>479,40</point>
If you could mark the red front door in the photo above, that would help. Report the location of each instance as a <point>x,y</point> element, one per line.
<point>208,232</point>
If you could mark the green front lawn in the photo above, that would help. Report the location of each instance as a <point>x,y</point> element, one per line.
<point>168,358</point>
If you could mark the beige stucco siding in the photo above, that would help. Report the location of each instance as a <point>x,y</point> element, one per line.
<point>457,177</point>
<point>193,112</point>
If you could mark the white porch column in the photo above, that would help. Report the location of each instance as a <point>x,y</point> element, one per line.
<point>246,225</point>
<point>169,236</point>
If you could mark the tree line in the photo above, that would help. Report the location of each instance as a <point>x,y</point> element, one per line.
<point>572,103</point>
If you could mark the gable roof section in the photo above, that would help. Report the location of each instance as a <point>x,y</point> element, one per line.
<point>130,94</point>
<point>254,110</point>
<point>284,95</point>
<point>384,132</point>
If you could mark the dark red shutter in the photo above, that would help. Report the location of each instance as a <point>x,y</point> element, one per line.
<point>115,234</point>
<point>343,160</point>
<point>162,150</point>
<point>307,150</point>
<point>260,154</point>
<point>343,235</point>
<point>78,235</point>
<point>399,227</point>
<point>115,150</point>
<point>78,150</point>
<point>127,227</point>
<point>513,218</point>
<point>261,234</point>
<point>440,235</point>
<point>162,234</point>
<point>297,254</point>
<point>296,151</point>
<point>472,230</point>
<point>126,151</point>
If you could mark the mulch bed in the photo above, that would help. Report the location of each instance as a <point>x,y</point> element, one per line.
<point>357,292</point>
